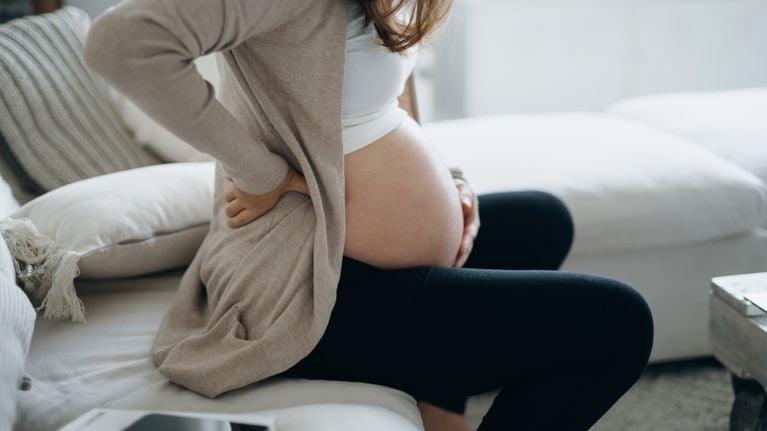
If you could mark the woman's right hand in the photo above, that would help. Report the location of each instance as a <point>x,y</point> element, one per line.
<point>243,207</point>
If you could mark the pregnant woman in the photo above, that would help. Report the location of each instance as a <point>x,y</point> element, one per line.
<point>428,302</point>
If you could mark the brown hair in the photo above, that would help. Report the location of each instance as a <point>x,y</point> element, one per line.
<point>425,17</point>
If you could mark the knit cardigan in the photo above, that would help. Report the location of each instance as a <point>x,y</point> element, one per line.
<point>256,299</point>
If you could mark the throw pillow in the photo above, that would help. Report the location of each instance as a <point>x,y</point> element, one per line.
<point>56,116</point>
<point>124,224</point>
<point>23,187</point>
<point>8,203</point>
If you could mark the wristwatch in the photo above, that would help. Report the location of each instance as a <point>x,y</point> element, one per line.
<point>456,172</point>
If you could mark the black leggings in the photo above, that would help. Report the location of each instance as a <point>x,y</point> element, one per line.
<point>563,347</point>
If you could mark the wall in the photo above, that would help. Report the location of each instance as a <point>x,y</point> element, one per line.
<point>499,56</point>
<point>548,55</point>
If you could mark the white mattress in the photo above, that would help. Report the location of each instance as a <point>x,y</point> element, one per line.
<point>106,363</point>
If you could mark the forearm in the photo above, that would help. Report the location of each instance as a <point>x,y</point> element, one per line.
<point>145,48</point>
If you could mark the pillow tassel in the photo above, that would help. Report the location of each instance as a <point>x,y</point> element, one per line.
<point>61,300</point>
<point>49,270</point>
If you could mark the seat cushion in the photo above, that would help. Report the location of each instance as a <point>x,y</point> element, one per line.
<point>730,123</point>
<point>628,185</point>
<point>106,362</point>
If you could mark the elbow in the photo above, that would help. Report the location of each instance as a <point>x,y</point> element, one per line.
<point>105,47</point>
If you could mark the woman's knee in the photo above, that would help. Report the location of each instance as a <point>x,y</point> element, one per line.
<point>533,228</point>
<point>558,217</point>
<point>631,322</point>
<point>556,230</point>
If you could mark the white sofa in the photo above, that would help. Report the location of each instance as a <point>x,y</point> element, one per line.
<point>655,208</point>
<point>666,192</point>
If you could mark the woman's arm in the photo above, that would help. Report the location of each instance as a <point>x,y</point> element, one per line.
<point>146,48</point>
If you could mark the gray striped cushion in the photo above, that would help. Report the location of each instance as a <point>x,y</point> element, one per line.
<point>55,113</point>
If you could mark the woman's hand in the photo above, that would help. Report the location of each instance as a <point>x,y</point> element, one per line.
<point>243,208</point>
<point>470,206</point>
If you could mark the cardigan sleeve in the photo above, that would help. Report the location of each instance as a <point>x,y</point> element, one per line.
<point>145,49</point>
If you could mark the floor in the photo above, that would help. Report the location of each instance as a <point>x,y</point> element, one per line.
<point>678,396</point>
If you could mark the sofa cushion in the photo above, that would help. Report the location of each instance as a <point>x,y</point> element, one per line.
<point>627,184</point>
<point>55,115</point>
<point>730,123</point>
<point>111,367</point>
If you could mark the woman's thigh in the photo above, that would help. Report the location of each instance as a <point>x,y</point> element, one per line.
<point>448,333</point>
<point>521,230</point>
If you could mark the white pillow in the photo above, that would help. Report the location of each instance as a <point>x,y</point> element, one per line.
<point>17,322</point>
<point>149,134</point>
<point>123,224</point>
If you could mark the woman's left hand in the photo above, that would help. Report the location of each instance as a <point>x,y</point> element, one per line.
<point>470,206</point>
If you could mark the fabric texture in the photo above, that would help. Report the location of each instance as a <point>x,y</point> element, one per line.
<point>23,188</point>
<point>112,368</point>
<point>373,79</point>
<point>17,322</point>
<point>122,224</point>
<point>8,202</point>
<point>156,138</point>
<point>256,299</point>
<point>54,113</point>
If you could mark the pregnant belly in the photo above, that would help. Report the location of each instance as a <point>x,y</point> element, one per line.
<point>402,207</point>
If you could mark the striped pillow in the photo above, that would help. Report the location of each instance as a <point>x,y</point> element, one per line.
<point>55,114</point>
<point>17,324</point>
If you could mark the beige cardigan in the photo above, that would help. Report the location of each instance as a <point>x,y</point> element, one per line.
<point>255,300</point>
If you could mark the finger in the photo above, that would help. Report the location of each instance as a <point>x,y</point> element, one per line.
<point>229,195</point>
<point>242,218</point>
<point>462,260</point>
<point>458,258</point>
<point>467,200</point>
<point>234,207</point>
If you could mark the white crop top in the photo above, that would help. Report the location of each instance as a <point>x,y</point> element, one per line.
<point>373,80</point>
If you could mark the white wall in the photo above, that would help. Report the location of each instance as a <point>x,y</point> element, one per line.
<point>548,55</point>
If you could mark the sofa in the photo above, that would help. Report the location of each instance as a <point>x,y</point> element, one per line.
<point>666,192</point>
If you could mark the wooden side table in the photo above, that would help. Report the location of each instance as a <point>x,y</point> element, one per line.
<point>738,336</point>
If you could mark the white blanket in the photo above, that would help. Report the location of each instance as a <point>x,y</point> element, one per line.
<point>106,363</point>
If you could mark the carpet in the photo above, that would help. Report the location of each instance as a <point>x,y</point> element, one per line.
<point>693,395</point>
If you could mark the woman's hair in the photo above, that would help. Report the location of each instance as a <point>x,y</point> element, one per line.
<point>423,17</point>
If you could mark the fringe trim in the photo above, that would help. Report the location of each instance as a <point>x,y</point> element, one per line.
<point>46,270</point>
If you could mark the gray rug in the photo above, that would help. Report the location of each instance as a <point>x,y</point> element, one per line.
<point>679,396</point>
